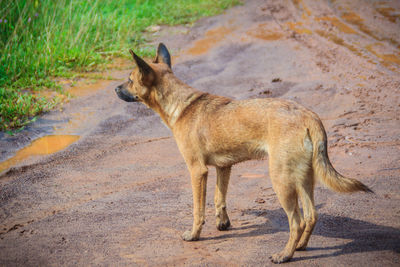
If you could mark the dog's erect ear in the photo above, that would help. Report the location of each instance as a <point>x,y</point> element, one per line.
<point>163,55</point>
<point>144,68</point>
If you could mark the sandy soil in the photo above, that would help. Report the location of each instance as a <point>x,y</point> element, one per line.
<point>121,195</point>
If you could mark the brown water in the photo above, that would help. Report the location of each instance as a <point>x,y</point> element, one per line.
<point>43,146</point>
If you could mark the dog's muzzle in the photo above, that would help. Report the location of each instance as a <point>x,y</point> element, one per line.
<point>125,95</point>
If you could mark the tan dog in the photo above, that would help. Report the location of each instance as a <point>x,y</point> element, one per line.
<point>218,131</point>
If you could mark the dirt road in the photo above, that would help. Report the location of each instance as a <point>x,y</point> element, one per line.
<point>120,193</point>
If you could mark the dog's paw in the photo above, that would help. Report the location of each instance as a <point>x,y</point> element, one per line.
<point>279,258</point>
<point>187,236</point>
<point>222,226</point>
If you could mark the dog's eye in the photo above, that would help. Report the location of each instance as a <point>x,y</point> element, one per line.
<point>129,80</point>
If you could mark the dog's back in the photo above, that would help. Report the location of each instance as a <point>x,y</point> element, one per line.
<point>230,131</point>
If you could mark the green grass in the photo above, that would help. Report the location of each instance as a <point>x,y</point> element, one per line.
<point>18,109</point>
<point>41,40</point>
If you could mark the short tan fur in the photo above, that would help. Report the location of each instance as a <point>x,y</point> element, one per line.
<point>211,130</point>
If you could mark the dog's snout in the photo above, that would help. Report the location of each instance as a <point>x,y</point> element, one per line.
<point>125,95</point>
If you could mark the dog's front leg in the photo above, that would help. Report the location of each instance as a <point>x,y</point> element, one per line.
<point>198,173</point>
<point>221,189</point>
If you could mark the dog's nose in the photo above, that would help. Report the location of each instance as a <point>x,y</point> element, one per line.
<point>117,89</point>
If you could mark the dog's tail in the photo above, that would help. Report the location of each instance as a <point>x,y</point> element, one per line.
<point>322,167</point>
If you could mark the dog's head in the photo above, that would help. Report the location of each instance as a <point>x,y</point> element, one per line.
<point>145,76</point>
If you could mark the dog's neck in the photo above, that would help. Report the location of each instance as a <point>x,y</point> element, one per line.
<point>170,98</point>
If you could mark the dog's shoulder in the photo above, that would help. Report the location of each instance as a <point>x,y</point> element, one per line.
<point>204,103</point>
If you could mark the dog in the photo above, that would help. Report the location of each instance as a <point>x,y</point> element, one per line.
<point>212,130</point>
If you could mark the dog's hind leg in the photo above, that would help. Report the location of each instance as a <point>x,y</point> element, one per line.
<point>198,173</point>
<point>306,193</point>
<point>284,185</point>
<point>221,189</point>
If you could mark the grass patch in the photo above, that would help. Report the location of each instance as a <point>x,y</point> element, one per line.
<point>41,40</point>
<point>19,108</point>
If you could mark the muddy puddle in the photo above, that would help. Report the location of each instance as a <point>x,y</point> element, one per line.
<point>43,146</point>
<point>65,124</point>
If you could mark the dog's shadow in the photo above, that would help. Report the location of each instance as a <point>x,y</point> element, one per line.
<point>364,236</point>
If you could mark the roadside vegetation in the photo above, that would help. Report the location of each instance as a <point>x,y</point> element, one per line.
<point>43,40</point>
